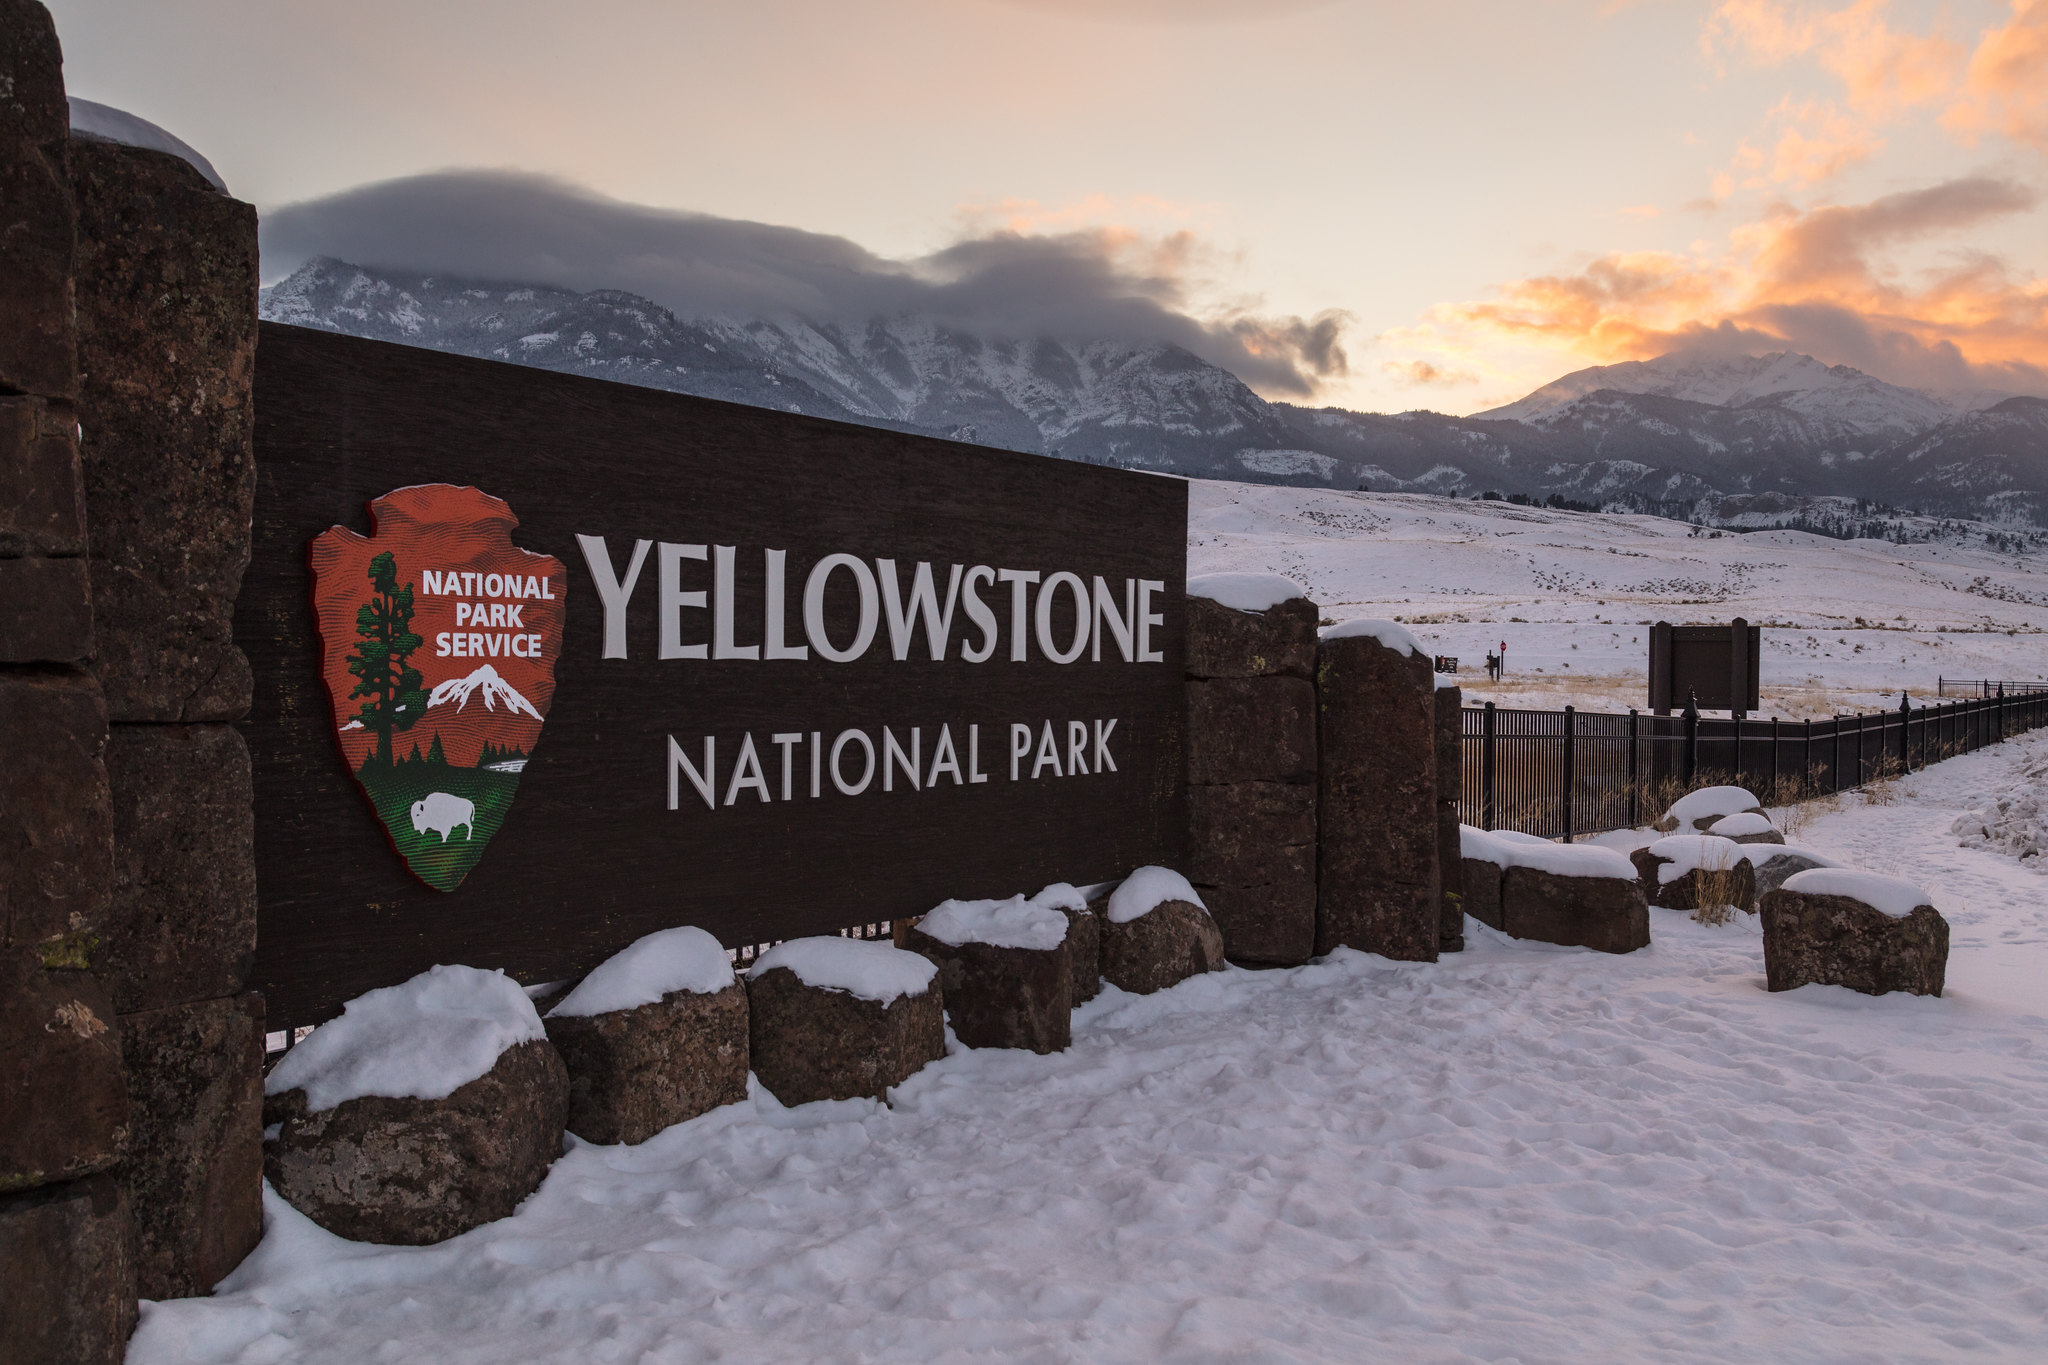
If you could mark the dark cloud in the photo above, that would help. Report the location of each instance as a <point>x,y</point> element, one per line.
<point>1086,285</point>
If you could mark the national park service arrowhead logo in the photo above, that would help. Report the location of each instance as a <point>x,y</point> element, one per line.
<point>438,645</point>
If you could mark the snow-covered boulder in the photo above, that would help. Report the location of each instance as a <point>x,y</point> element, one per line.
<point>1004,971</point>
<point>1838,927</point>
<point>1688,871</point>
<point>1157,933</point>
<point>1249,625</point>
<point>1579,895</point>
<point>1746,827</point>
<point>656,1035</point>
<point>1775,863</point>
<point>1696,811</point>
<point>427,1109</point>
<point>1084,937</point>
<point>834,1018</point>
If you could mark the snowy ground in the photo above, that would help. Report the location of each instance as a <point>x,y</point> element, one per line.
<point>1522,1153</point>
<point>1846,623</point>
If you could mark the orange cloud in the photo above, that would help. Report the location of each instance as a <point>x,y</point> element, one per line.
<point>1881,68</point>
<point>1827,281</point>
<point>2006,87</point>
<point>1423,372</point>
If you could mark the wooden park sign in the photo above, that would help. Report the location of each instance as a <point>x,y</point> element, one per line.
<point>546,663</point>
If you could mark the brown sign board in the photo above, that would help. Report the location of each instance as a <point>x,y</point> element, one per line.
<point>811,675</point>
<point>1716,666</point>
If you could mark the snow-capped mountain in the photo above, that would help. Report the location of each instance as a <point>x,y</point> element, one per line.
<point>1678,435</point>
<point>494,689</point>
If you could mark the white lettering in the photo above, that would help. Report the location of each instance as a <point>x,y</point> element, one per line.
<point>772,645</point>
<point>441,645</point>
<point>817,763</point>
<point>786,742</point>
<point>746,773</point>
<point>944,759</point>
<point>1043,619</point>
<point>1077,748</point>
<point>430,583</point>
<point>1119,625</point>
<point>512,614</point>
<point>1020,745</point>
<point>680,766</point>
<point>1147,619</point>
<point>974,772</point>
<point>893,758</point>
<point>1019,581</point>
<point>722,646</point>
<point>610,591</point>
<point>814,608</point>
<point>462,610</point>
<point>978,612</point>
<point>1103,762</point>
<point>1048,754</point>
<point>867,774</point>
<point>494,585</point>
<point>924,598</point>
<point>673,599</point>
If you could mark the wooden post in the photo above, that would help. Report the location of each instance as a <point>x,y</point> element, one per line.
<point>1635,786</point>
<point>1660,668</point>
<point>1738,682</point>
<point>1486,768</point>
<point>1571,744</point>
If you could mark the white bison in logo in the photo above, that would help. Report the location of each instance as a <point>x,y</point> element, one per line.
<point>441,812</point>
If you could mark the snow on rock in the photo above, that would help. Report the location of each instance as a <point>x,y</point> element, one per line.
<point>1392,634</point>
<point>1515,836</point>
<point>1482,845</point>
<point>1012,923</point>
<point>1246,591</point>
<point>2014,823</point>
<point>879,972</point>
<point>1147,889</point>
<point>1743,822</point>
<point>1695,852</point>
<point>422,1039</point>
<point>1894,896</point>
<point>102,123</point>
<point>1061,896</point>
<point>1710,801</point>
<point>682,959</point>
<point>1570,860</point>
<point>1446,681</point>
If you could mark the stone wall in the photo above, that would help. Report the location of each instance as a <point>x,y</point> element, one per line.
<point>67,1287</point>
<point>130,1058</point>
<point>1252,776</point>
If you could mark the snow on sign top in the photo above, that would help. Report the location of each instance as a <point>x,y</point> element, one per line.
<point>1711,801</point>
<point>1694,853</point>
<point>872,971</point>
<point>422,1039</point>
<point>1392,634</point>
<point>1013,923</point>
<point>1246,591</point>
<point>682,959</point>
<point>1894,896</point>
<point>1146,890</point>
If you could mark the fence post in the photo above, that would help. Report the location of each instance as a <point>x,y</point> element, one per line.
<point>1571,744</point>
<point>1905,729</point>
<point>1738,746</point>
<point>1635,786</point>
<point>1806,753</point>
<point>1692,737</point>
<point>1862,763</point>
<point>1486,769</point>
<point>2000,713</point>
<point>1777,766</point>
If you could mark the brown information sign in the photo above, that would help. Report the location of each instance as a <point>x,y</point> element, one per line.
<point>795,675</point>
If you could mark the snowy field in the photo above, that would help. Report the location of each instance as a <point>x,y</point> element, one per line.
<point>1520,1154</point>
<point>1846,623</point>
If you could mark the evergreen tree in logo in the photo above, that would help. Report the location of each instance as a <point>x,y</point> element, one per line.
<point>395,695</point>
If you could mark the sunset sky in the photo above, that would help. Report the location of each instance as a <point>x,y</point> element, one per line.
<point>1371,204</point>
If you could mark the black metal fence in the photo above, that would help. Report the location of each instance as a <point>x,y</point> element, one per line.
<point>1560,774</point>
<point>1986,687</point>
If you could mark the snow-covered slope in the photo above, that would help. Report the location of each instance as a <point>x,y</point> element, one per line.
<point>1847,624</point>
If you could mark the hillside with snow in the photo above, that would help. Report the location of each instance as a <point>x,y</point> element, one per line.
<point>1847,624</point>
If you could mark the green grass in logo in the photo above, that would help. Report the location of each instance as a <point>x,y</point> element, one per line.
<point>441,864</point>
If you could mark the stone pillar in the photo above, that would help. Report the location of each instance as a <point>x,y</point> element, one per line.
<point>1251,775</point>
<point>166,300</point>
<point>67,1289</point>
<point>1450,857</point>
<point>1378,888</point>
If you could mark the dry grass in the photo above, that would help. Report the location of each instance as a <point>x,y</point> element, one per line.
<point>1882,789</point>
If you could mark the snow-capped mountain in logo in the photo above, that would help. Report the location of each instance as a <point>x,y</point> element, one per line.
<point>486,680</point>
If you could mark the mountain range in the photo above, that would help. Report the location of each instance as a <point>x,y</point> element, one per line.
<point>1710,438</point>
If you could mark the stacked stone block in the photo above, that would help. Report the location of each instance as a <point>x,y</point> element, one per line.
<point>1450,860</point>
<point>1252,774</point>
<point>166,278</point>
<point>1379,887</point>
<point>67,1285</point>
